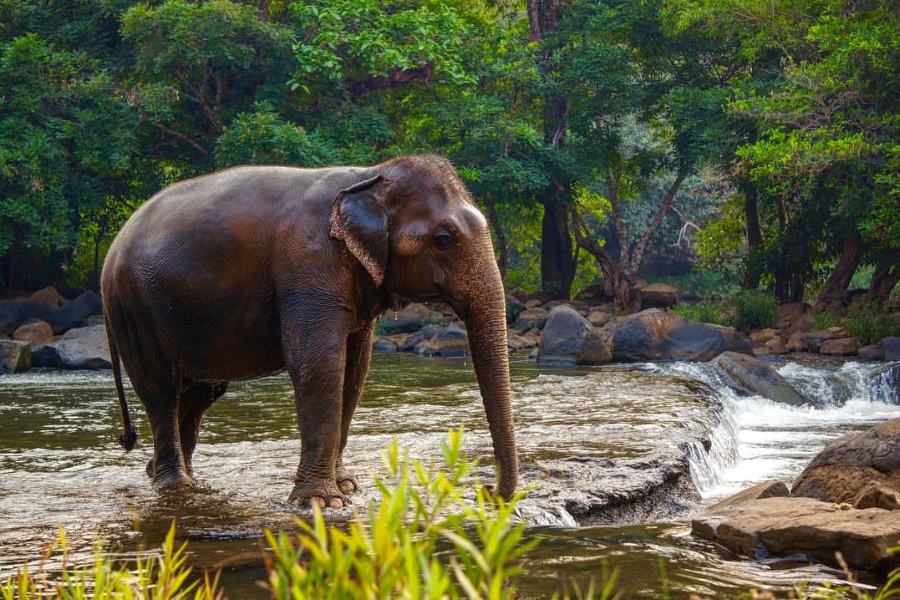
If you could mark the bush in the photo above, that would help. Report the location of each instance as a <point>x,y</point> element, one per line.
<point>705,311</point>
<point>394,551</point>
<point>868,325</point>
<point>754,310</point>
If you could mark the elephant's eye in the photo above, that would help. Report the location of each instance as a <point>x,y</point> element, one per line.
<point>443,239</point>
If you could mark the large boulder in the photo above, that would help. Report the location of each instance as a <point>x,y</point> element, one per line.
<point>75,313</point>
<point>418,339</point>
<point>531,318</point>
<point>413,317</point>
<point>10,316</point>
<point>849,468</point>
<point>47,299</point>
<point>15,356</point>
<point>787,526</point>
<point>449,341</point>
<point>890,347</point>
<point>751,375</point>
<point>655,334</point>
<point>82,348</point>
<point>839,346</point>
<point>35,332</point>
<point>570,339</point>
<point>658,295</point>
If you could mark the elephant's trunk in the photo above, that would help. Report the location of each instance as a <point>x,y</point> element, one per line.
<point>485,317</point>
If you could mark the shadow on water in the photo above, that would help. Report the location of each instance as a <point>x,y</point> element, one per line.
<point>60,465</point>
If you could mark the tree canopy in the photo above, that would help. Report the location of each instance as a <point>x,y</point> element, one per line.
<point>757,138</point>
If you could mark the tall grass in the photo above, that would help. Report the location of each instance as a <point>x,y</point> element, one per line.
<point>868,325</point>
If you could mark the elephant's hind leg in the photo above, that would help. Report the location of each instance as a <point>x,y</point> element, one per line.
<point>160,399</point>
<point>193,403</point>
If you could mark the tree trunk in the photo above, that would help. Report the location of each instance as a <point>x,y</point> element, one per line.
<point>557,252</point>
<point>557,256</point>
<point>885,277</point>
<point>753,272</point>
<point>836,285</point>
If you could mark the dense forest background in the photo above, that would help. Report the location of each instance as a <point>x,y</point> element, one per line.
<point>726,143</point>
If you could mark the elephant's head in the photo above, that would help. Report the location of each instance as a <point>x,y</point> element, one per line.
<point>414,227</point>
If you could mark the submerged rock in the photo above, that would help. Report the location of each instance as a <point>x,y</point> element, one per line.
<point>751,375</point>
<point>848,468</point>
<point>789,526</point>
<point>655,334</point>
<point>570,339</point>
<point>82,348</point>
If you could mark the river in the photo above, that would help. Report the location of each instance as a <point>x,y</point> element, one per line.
<point>60,464</point>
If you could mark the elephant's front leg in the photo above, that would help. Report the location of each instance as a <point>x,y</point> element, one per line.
<point>359,353</point>
<point>315,342</point>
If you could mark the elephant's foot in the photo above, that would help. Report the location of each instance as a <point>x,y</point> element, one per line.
<point>345,481</point>
<point>173,482</point>
<point>150,470</point>
<point>324,494</point>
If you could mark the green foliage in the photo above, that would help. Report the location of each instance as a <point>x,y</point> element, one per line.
<point>705,311</point>
<point>396,548</point>
<point>867,325</point>
<point>162,577</point>
<point>745,310</point>
<point>754,310</point>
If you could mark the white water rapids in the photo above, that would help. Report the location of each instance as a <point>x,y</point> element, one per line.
<point>760,439</point>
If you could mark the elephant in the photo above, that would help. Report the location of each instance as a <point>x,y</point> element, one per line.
<point>253,270</point>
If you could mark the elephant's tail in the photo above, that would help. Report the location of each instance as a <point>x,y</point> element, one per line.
<point>129,436</point>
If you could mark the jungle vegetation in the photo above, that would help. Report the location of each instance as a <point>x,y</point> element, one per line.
<point>759,137</point>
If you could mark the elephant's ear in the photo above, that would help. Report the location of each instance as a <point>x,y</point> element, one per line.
<point>359,219</point>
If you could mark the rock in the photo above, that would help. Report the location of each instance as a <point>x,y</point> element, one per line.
<point>75,313</point>
<point>847,466</point>
<point>755,377</point>
<point>570,339</point>
<point>95,320</point>
<point>531,318</point>
<point>763,489</point>
<point>795,316</point>
<point>658,295</point>
<point>418,338</point>
<point>839,347</point>
<point>384,345</point>
<point>532,303</point>
<point>763,335</point>
<point>517,343</point>
<point>788,526</point>
<point>10,311</point>
<point>35,332</point>
<point>877,496</point>
<point>776,345</point>
<point>449,341</point>
<point>513,307</point>
<point>580,306</point>
<point>872,352</point>
<point>592,292</point>
<point>48,298</point>
<point>891,347</point>
<point>655,334</point>
<point>412,317</point>
<point>82,348</point>
<point>598,318</point>
<point>811,341</point>
<point>15,356</point>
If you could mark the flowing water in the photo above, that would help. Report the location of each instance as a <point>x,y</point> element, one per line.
<point>61,466</point>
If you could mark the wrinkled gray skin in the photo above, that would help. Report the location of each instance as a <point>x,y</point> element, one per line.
<point>252,270</point>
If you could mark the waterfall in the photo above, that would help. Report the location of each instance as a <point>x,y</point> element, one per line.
<point>756,439</point>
